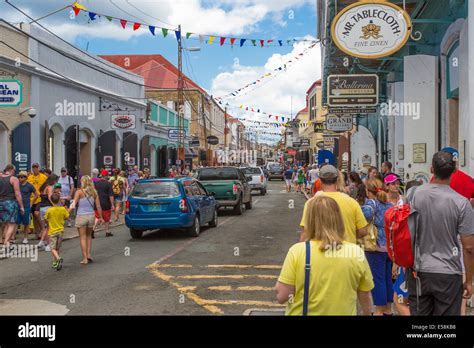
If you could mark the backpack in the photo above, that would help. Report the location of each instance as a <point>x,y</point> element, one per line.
<point>400,231</point>
<point>116,186</point>
<point>370,240</point>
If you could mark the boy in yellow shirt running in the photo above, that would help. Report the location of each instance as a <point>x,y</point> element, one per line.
<point>56,216</point>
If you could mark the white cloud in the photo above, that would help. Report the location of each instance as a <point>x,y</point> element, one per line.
<point>276,95</point>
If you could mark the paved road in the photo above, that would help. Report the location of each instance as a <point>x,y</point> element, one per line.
<point>226,270</point>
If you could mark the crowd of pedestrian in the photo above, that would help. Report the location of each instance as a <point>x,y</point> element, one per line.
<point>42,203</point>
<point>343,255</point>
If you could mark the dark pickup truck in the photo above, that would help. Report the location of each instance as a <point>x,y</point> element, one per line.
<point>230,186</point>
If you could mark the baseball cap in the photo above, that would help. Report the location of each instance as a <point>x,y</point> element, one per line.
<point>391,178</point>
<point>105,172</point>
<point>364,171</point>
<point>328,172</point>
<point>452,151</point>
<point>64,169</point>
<point>36,164</point>
<point>23,173</point>
<point>57,185</point>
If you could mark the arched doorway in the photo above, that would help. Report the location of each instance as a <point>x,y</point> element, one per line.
<point>56,148</point>
<point>85,152</point>
<point>3,145</point>
<point>363,149</point>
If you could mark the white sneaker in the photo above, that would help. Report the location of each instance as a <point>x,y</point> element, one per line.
<point>25,241</point>
<point>69,224</point>
<point>47,248</point>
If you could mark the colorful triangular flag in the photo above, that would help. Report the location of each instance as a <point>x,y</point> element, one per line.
<point>222,40</point>
<point>178,35</point>
<point>79,6</point>
<point>254,42</point>
<point>211,39</point>
<point>109,18</point>
<point>261,42</point>
<point>188,35</point>
<point>76,10</point>
<point>123,22</point>
<point>242,41</point>
<point>92,15</point>
<point>136,25</point>
<point>232,40</point>
<point>164,31</point>
<point>152,29</point>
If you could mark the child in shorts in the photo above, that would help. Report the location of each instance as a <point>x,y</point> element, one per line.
<point>55,217</point>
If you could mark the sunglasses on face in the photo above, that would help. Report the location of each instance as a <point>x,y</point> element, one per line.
<point>22,177</point>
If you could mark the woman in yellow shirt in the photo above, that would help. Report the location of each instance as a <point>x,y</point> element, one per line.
<point>339,273</point>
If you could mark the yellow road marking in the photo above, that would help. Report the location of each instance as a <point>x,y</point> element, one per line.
<point>240,288</point>
<point>246,266</point>
<point>172,266</point>
<point>241,276</point>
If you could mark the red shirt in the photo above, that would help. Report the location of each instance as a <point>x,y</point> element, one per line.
<point>462,184</point>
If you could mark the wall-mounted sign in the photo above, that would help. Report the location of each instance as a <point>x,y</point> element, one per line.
<point>462,153</point>
<point>366,161</point>
<point>292,152</point>
<point>423,177</point>
<point>173,133</point>
<point>372,29</point>
<point>11,92</point>
<point>401,152</point>
<point>213,140</point>
<point>419,153</point>
<point>123,122</point>
<point>305,142</point>
<point>296,144</point>
<point>349,110</point>
<point>319,127</point>
<point>353,90</point>
<point>194,142</point>
<point>108,160</point>
<point>339,123</point>
<point>329,142</point>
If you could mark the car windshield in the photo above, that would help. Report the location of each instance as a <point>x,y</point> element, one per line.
<point>251,171</point>
<point>208,174</point>
<point>155,189</point>
<point>275,167</point>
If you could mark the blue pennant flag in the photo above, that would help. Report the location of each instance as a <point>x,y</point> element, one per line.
<point>152,29</point>
<point>92,15</point>
<point>178,34</point>
<point>280,42</point>
<point>242,42</point>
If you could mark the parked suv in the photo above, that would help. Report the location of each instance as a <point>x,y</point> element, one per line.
<point>259,181</point>
<point>275,171</point>
<point>170,203</point>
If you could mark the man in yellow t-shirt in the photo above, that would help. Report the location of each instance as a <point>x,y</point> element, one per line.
<point>37,179</point>
<point>56,216</point>
<point>354,221</point>
<point>337,279</point>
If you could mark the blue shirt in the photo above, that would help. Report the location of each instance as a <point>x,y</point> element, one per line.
<point>132,179</point>
<point>371,206</point>
<point>288,174</point>
<point>26,191</point>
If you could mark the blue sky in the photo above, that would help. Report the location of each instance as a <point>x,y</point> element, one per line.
<point>217,69</point>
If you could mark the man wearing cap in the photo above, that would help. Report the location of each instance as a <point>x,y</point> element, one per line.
<point>354,221</point>
<point>37,179</point>
<point>67,190</point>
<point>26,190</point>
<point>106,198</point>
<point>461,182</point>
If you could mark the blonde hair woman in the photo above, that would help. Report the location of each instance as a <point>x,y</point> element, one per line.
<point>341,183</point>
<point>374,210</point>
<point>325,274</point>
<point>84,200</point>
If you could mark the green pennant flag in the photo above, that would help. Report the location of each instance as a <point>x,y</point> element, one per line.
<point>188,35</point>
<point>165,31</point>
<point>288,41</point>
<point>254,42</point>
<point>109,18</point>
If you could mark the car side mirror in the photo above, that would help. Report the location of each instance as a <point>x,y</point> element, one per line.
<point>212,194</point>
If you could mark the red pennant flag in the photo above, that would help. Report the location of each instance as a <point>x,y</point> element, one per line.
<point>222,40</point>
<point>136,26</point>
<point>276,118</point>
<point>123,22</point>
<point>76,10</point>
<point>261,42</point>
<point>232,40</point>
<point>269,41</point>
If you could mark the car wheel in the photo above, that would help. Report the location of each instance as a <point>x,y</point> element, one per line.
<point>136,234</point>
<point>195,229</point>
<point>238,208</point>
<point>263,192</point>
<point>213,222</point>
<point>248,205</point>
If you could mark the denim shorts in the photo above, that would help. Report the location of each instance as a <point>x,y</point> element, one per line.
<point>25,218</point>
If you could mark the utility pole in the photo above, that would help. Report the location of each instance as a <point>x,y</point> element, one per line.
<point>225,128</point>
<point>180,101</point>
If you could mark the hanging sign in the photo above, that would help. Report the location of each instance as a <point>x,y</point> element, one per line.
<point>213,140</point>
<point>173,133</point>
<point>123,122</point>
<point>353,90</point>
<point>304,141</point>
<point>10,92</point>
<point>371,30</point>
<point>319,127</point>
<point>338,123</point>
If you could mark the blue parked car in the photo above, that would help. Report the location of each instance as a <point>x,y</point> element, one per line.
<point>170,203</point>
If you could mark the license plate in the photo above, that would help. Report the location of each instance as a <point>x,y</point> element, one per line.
<point>155,208</point>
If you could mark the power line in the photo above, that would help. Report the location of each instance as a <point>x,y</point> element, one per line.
<point>128,13</point>
<point>139,10</point>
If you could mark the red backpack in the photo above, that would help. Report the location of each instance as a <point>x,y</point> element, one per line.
<point>400,228</point>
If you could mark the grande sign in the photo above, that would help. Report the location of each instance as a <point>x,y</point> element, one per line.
<point>372,29</point>
<point>339,123</point>
<point>353,90</point>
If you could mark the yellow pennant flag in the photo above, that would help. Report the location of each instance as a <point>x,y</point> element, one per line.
<point>269,74</point>
<point>79,6</point>
<point>211,38</point>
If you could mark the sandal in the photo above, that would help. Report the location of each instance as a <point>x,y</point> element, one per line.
<point>84,263</point>
<point>90,260</point>
<point>109,234</point>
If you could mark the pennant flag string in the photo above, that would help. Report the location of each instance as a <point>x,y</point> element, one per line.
<point>210,38</point>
